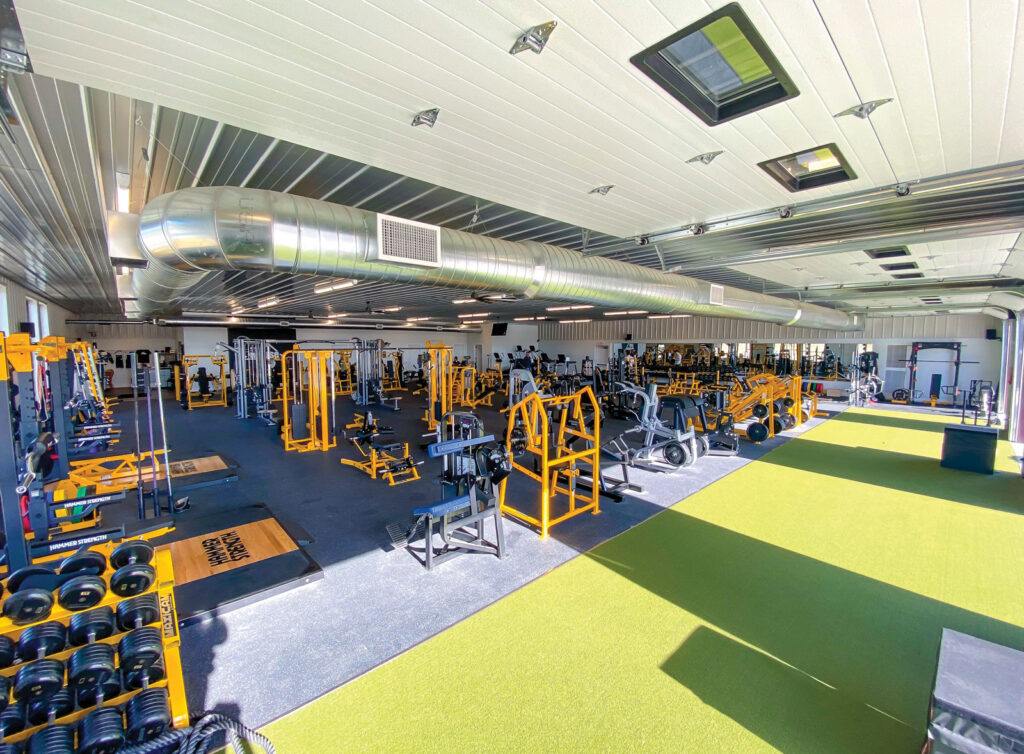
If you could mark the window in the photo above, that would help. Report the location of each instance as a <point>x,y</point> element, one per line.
<point>719,67</point>
<point>38,315</point>
<point>5,323</point>
<point>888,252</point>
<point>810,168</point>
<point>44,320</point>
<point>899,266</point>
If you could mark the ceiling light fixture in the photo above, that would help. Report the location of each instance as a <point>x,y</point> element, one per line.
<point>391,309</point>
<point>573,321</point>
<point>534,39</point>
<point>864,109</point>
<point>237,310</point>
<point>266,303</point>
<point>473,322</point>
<point>426,117</point>
<point>602,190</point>
<point>706,158</point>
<point>568,308</point>
<point>478,314</point>
<point>334,285</point>
<point>124,190</point>
<point>668,316</point>
<point>631,311</point>
<point>528,319</point>
<point>416,319</point>
<point>463,300</point>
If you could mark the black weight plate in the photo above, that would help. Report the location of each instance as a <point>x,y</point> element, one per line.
<point>140,649</point>
<point>145,677</point>
<point>84,561</point>
<point>703,445</point>
<point>38,679</point>
<point>28,606</point>
<point>98,622</point>
<point>5,692</point>
<point>143,609</point>
<point>12,719</point>
<point>60,704</point>
<point>760,411</point>
<point>131,551</point>
<point>777,425</point>
<point>133,579</point>
<point>81,593</point>
<point>101,732</point>
<point>54,739</point>
<point>757,432</point>
<point>6,652</point>
<point>675,454</point>
<point>48,638</point>
<point>788,402</point>
<point>91,666</point>
<point>29,574</point>
<point>148,715</point>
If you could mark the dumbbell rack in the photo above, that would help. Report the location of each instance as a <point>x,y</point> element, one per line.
<point>173,681</point>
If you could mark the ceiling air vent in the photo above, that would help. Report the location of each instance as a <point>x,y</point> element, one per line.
<point>717,296</point>
<point>407,242</point>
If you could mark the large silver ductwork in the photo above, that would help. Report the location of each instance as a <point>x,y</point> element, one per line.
<point>188,234</point>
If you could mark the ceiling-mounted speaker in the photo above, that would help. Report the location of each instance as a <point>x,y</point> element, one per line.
<point>992,335</point>
<point>629,336</point>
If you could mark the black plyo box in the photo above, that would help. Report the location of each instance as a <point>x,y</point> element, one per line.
<point>969,448</point>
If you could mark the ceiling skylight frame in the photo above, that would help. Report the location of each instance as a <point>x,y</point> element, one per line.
<point>839,174</point>
<point>686,86</point>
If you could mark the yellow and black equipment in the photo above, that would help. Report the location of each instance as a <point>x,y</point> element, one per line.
<point>370,386</point>
<point>309,391</point>
<point>388,461</point>
<point>345,378</point>
<point>391,369</point>
<point>100,650</point>
<point>554,441</point>
<point>202,389</point>
<point>440,383</point>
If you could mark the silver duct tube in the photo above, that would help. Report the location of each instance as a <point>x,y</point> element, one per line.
<point>189,233</point>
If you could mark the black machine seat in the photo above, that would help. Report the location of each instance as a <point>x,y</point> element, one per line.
<point>386,446</point>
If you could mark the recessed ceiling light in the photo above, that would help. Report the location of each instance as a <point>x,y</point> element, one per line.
<point>463,300</point>
<point>426,117</point>
<point>574,307</point>
<point>529,319</point>
<point>266,303</point>
<point>602,190</point>
<point>706,158</point>
<point>534,39</point>
<point>864,109</point>
<point>473,322</point>
<point>631,311</point>
<point>573,321</point>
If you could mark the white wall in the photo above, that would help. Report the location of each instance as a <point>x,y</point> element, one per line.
<point>17,313</point>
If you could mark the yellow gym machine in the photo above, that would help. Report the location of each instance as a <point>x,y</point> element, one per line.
<point>562,436</point>
<point>345,378</point>
<point>440,383</point>
<point>380,459</point>
<point>202,390</point>
<point>391,370</point>
<point>308,390</point>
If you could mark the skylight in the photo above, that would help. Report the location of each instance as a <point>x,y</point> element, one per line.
<point>908,275</point>
<point>899,266</point>
<point>719,67</point>
<point>888,252</point>
<point>810,168</point>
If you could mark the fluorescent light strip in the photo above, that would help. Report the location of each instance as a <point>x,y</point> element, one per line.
<point>477,315</point>
<point>631,311</point>
<point>473,322</point>
<point>569,308</point>
<point>529,319</point>
<point>463,300</point>
<point>573,321</point>
<point>416,319</point>
<point>668,316</point>
<point>334,286</point>
<point>266,303</point>
<point>391,309</point>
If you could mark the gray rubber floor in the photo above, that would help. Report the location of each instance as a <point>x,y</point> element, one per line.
<point>261,661</point>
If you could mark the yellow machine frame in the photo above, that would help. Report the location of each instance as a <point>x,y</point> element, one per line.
<point>440,383</point>
<point>559,465</point>
<point>377,462</point>
<point>392,381</point>
<point>220,395</point>
<point>315,368</point>
<point>345,381</point>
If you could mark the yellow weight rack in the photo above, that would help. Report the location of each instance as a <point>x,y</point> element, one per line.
<point>163,588</point>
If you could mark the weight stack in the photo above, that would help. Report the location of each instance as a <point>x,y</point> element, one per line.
<point>70,721</point>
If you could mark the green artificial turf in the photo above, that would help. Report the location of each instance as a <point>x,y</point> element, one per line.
<point>795,605</point>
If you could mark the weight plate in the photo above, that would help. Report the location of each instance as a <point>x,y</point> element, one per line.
<point>145,677</point>
<point>39,679</point>
<point>131,551</point>
<point>6,652</point>
<point>132,579</point>
<point>703,445</point>
<point>54,739</point>
<point>5,692</point>
<point>90,626</point>
<point>90,667</point>
<point>60,704</point>
<point>81,593</point>
<point>90,697</point>
<point>760,411</point>
<point>675,454</point>
<point>36,642</point>
<point>12,719</point>
<point>777,426</point>
<point>28,574</point>
<point>148,715</point>
<point>28,606</point>
<point>140,649</point>
<point>137,611</point>
<point>757,432</point>
<point>84,561</point>
<point>101,732</point>
<point>788,402</point>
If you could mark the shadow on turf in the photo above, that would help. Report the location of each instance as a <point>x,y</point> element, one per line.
<point>899,422</point>
<point>920,475</point>
<point>868,644</point>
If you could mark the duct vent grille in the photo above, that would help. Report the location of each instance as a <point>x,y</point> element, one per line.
<point>408,242</point>
<point>717,296</point>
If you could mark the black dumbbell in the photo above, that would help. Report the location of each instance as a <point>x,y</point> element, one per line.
<point>5,692</point>
<point>137,612</point>
<point>101,732</point>
<point>12,719</point>
<point>48,709</point>
<point>28,606</point>
<point>91,668</point>
<point>141,653</point>
<point>10,749</point>
<point>148,715</point>
<point>134,574</point>
<point>90,626</point>
<point>53,739</point>
<point>81,592</point>
<point>41,640</point>
<point>38,679</point>
<point>7,652</point>
<point>86,562</point>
